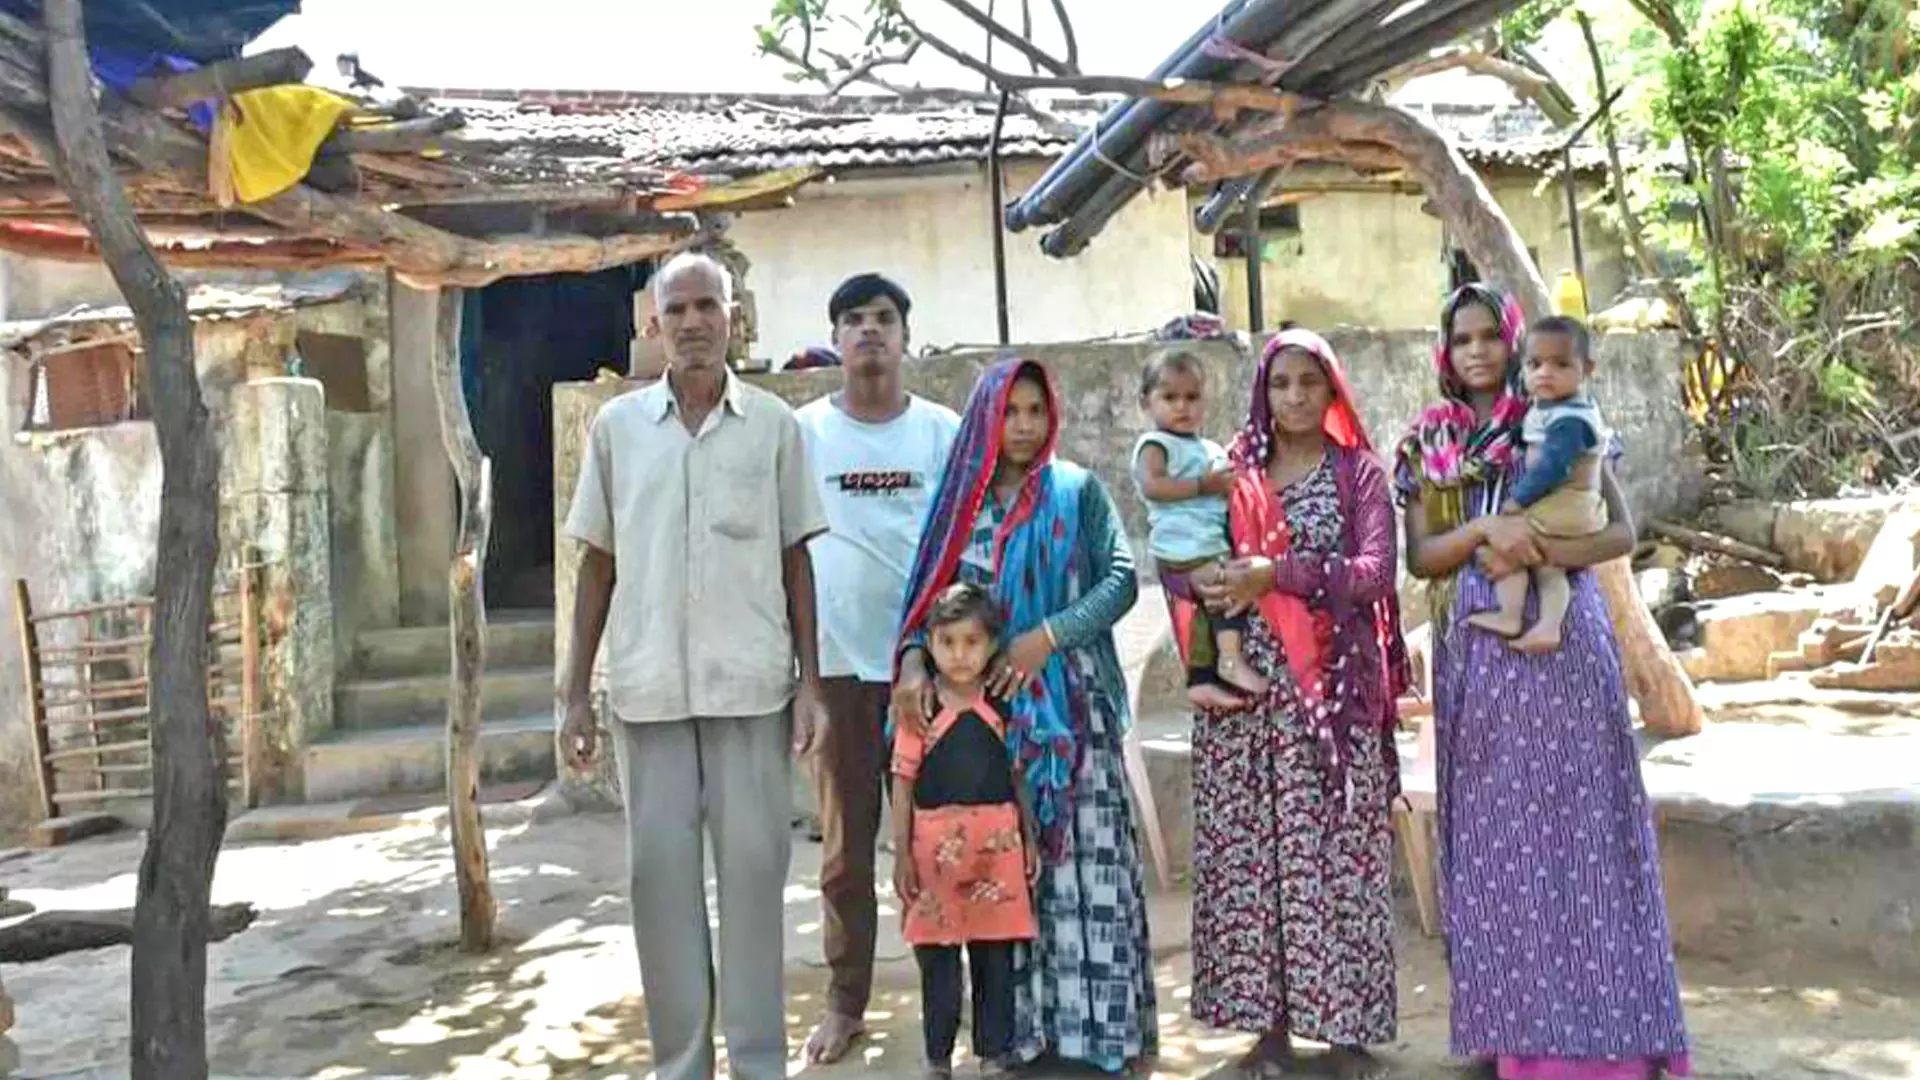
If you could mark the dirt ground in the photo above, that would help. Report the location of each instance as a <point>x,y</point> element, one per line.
<point>351,972</point>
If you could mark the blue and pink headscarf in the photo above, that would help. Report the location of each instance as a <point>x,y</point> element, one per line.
<point>1035,576</point>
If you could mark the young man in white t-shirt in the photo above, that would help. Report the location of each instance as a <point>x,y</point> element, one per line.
<point>878,452</point>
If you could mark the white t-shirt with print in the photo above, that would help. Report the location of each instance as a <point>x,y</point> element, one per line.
<point>876,481</point>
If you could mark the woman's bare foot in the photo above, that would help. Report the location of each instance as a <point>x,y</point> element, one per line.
<point>1538,641</point>
<point>1238,674</point>
<point>1208,697</point>
<point>1496,622</point>
<point>1355,1063</point>
<point>1272,1055</point>
<point>834,1037</point>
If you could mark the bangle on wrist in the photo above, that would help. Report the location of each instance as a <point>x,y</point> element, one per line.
<point>1052,642</point>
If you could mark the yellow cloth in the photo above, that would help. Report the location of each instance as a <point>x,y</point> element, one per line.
<point>264,140</point>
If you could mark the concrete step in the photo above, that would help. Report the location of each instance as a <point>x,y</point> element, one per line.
<point>366,704</point>
<point>362,764</point>
<point>513,641</point>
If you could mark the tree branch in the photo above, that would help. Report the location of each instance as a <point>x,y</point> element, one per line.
<point>1353,132</point>
<point>1629,220</point>
<point>1066,31</point>
<point>1535,86</point>
<point>1179,91</point>
<point>1001,33</point>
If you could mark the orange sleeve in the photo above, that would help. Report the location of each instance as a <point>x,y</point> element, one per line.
<point>908,750</point>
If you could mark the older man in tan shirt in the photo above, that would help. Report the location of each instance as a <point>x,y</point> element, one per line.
<point>695,504</point>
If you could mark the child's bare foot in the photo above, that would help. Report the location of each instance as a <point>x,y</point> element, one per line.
<point>1208,697</point>
<point>1539,641</point>
<point>1240,675</point>
<point>1496,622</point>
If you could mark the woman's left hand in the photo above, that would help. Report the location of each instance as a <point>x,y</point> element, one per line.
<point>1238,587</point>
<point>1021,662</point>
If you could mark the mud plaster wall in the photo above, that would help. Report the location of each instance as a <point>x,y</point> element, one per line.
<point>1638,386</point>
<point>83,507</point>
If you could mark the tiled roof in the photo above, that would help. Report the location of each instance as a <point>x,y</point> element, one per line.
<point>739,135</point>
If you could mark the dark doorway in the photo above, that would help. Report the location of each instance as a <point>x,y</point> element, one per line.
<point>523,336</point>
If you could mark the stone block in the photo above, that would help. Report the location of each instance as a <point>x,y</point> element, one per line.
<point>1781,663</point>
<point>6,1010</point>
<point>1750,521</point>
<point>60,831</point>
<point>1721,580</point>
<point>9,1056</point>
<point>1829,538</point>
<point>1890,561</point>
<point>1737,636</point>
<point>1895,666</point>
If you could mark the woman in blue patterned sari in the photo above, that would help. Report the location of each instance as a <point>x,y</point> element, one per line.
<point>1044,536</point>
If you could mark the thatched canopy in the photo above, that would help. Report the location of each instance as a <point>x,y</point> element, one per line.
<point>415,194</point>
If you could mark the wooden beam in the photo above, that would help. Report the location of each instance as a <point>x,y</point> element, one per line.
<point>404,137</point>
<point>541,194</point>
<point>222,78</point>
<point>36,709</point>
<point>56,933</point>
<point>467,625</point>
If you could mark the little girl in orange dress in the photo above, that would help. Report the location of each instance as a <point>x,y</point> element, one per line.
<point>964,861</point>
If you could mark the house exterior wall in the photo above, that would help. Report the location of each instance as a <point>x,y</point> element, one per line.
<point>84,509</point>
<point>931,232</point>
<point>1372,257</point>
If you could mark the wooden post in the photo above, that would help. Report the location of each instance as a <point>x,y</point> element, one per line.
<point>249,674</point>
<point>36,703</point>
<point>467,625</point>
<point>171,919</point>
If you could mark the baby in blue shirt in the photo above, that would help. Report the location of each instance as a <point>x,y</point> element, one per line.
<point>1559,493</point>
<point>1184,480</point>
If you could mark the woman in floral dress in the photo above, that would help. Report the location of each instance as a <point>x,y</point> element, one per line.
<point>1293,914</point>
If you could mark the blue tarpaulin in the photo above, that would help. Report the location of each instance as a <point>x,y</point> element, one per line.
<point>199,30</point>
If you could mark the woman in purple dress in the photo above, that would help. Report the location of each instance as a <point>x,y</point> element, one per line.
<point>1556,922</point>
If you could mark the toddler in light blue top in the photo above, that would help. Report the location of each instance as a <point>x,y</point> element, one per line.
<point>1184,479</point>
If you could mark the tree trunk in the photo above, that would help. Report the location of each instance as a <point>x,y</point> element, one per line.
<point>467,624</point>
<point>1349,131</point>
<point>171,921</point>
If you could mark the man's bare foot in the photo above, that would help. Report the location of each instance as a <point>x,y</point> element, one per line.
<point>996,1068</point>
<point>1208,697</point>
<point>834,1037</point>
<point>938,1070</point>
<point>1238,674</point>
<point>1539,641</point>
<point>1355,1063</point>
<point>1496,622</point>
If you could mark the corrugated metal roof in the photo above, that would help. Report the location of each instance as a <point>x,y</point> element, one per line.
<point>205,303</point>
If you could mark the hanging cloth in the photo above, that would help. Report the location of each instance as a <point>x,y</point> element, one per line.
<point>264,140</point>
